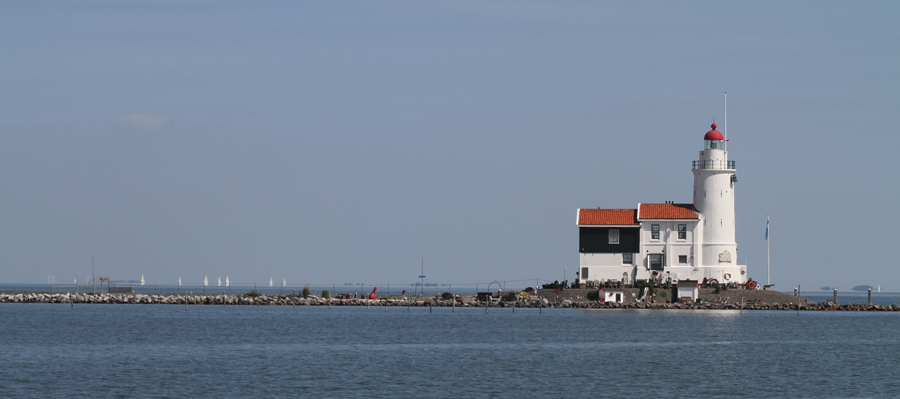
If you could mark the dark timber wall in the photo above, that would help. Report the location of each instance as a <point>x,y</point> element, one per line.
<point>596,240</point>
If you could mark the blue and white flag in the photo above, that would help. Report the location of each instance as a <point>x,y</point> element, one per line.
<point>767,227</point>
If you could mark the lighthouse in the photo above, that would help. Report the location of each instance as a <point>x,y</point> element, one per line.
<point>669,241</point>
<point>714,180</point>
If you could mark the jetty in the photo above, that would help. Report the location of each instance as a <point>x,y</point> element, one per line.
<point>566,298</point>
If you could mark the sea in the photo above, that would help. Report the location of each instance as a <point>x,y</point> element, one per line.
<point>60,350</point>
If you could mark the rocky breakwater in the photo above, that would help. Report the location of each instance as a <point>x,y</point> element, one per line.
<point>733,300</point>
<point>728,306</point>
<point>244,299</point>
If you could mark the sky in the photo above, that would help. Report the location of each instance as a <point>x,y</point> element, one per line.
<point>353,142</point>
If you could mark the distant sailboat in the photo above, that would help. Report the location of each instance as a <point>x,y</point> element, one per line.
<point>227,284</point>
<point>270,281</point>
<point>179,281</point>
<point>284,282</point>
<point>220,281</point>
<point>142,279</point>
<point>879,288</point>
<point>205,281</point>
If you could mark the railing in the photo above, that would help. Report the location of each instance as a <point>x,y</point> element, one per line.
<point>712,165</point>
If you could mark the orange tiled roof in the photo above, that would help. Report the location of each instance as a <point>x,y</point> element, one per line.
<point>667,211</point>
<point>607,216</point>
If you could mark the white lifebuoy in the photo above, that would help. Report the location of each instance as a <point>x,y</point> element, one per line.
<point>727,276</point>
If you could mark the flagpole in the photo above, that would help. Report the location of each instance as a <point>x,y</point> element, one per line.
<point>768,261</point>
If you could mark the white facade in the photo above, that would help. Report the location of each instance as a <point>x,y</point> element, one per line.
<point>669,241</point>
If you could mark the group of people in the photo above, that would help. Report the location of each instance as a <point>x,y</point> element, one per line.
<point>714,283</point>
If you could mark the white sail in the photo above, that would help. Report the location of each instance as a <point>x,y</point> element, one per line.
<point>284,282</point>
<point>76,283</point>
<point>179,281</point>
<point>205,281</point>
<point>227,284</point>
<point>142,279</point>
<point>270,281</point>
<point>220,281</point>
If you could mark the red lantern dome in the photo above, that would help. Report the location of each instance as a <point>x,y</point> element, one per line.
<point>714,134</point>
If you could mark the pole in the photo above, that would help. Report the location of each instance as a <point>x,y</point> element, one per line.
<point>835,295</point>
<point>93,276</point>
<point>725,127</point>
<point>768,259</point>
<point>870,296</point>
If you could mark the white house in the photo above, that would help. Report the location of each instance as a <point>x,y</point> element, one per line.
<point>613,294</point>
<point>687,290</point>
<point>669,241</point>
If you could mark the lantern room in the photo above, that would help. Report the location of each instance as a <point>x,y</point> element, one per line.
<point>714,140</point>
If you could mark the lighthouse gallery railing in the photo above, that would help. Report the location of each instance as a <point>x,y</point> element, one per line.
<point>712,165</point>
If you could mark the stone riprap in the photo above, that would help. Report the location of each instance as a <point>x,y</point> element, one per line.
<point>731,300</point>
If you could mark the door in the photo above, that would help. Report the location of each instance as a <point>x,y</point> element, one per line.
<point>656,262</point>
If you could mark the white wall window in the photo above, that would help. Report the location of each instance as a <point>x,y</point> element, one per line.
<point>584,273</point>
<point>613,236</point>
<point>627,259</point>
<point>682,231</point>
<point>682,259</point>
<point>654,231</point>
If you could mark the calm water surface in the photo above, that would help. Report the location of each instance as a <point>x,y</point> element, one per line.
<point>50,350</point>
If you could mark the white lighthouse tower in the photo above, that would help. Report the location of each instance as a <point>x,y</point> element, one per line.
<point>714,180</point>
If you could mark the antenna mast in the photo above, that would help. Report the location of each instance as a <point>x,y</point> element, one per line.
<point>725,127</point>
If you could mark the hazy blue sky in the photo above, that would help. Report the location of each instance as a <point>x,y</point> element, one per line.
<point>331,142</point>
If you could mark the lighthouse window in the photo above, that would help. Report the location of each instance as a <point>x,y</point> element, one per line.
<point>654,231</point>
<point>682,231</point>
<point>682,259</point>
<point>627,259</point>
<point>712,144</point>
<point>613,236</point>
